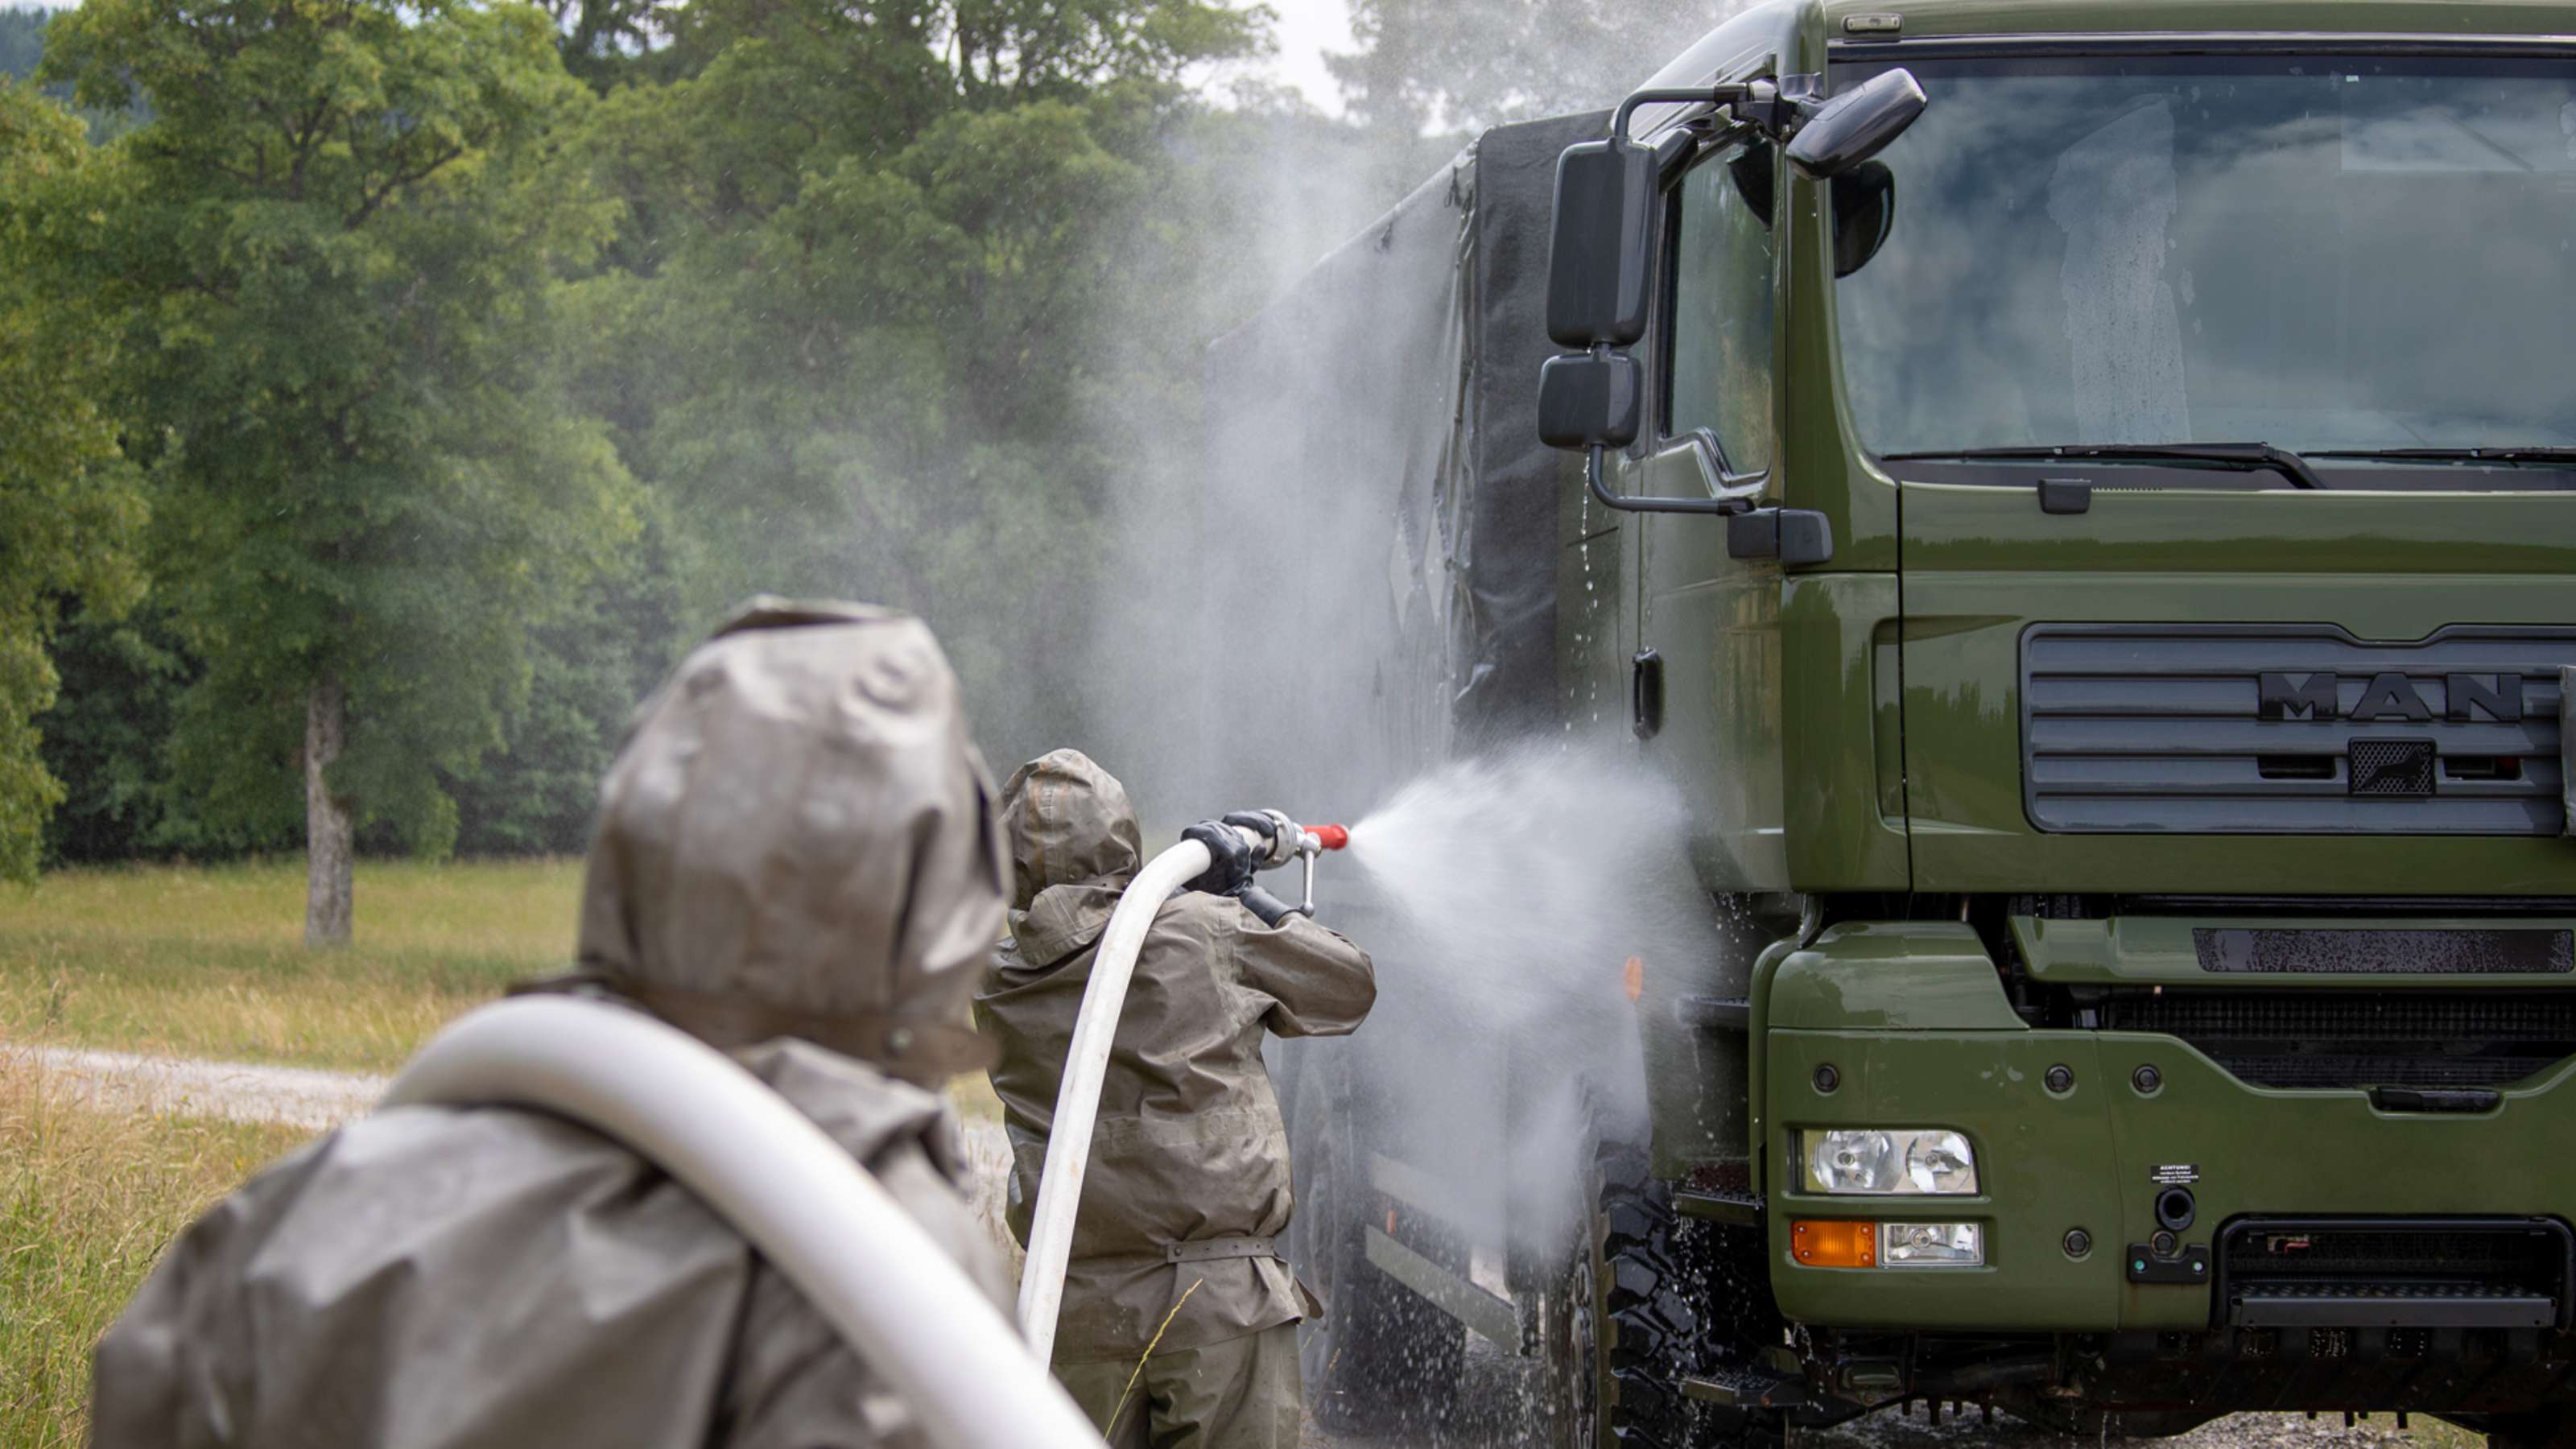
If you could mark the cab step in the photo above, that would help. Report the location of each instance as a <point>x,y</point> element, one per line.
<point>1720,1205</point>
<point>1746,1386</point>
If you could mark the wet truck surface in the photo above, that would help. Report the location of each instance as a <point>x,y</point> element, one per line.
<point>2099,564</point>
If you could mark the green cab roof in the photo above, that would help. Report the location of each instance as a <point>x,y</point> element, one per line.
<point>1771,28</point>
<point>2442,18</point>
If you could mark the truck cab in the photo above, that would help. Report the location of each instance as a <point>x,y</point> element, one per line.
<point>2131,688</point>
<point>2092,543</point>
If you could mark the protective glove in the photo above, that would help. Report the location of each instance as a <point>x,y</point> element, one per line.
<point>1268,907</point>
<point>1273,827</point>
<point>1229,871</point>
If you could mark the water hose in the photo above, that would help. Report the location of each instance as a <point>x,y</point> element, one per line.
<point>1086,1065</point>
<point>793,1193</point>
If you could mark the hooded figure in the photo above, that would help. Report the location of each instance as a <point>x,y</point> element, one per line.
<point>797,861</point>
<point>1175,1243</point>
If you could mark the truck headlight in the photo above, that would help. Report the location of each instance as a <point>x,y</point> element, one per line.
<point>1931,1245</point>
<point>1883,1161</point>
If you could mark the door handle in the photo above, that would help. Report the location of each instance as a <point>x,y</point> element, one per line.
<point>1646,694</point>
<point>1791,535</point>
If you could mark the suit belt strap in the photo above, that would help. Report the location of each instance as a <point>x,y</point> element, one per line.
<point>1201,1250</point>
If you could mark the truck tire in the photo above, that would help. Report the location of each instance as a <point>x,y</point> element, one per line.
<point>1679,1299</point>
<point>1574,1380</point>
<point>1381,1357</point>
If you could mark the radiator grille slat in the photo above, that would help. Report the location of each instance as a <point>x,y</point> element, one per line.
<point>2143,729</point>
<point>2362,1039</point>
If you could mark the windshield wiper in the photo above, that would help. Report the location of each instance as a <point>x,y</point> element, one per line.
<point>2552,457</point>
<point>2244,456</point>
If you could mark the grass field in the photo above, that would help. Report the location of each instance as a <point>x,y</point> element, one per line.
<point>87,1199</point>
<point>211,962</point>
<point>199,962</point>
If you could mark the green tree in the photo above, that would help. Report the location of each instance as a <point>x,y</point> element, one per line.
<point>336,246</point>
<point>104,741</point>
<point>852,342</point>
<point>592,661</point>
<point>71,506</point>
<point>22,41</point>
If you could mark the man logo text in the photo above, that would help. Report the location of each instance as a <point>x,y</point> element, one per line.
<point>2391,697</point>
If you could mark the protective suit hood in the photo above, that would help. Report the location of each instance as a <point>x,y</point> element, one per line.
<point>798,839</point>
<point>1074,846</point>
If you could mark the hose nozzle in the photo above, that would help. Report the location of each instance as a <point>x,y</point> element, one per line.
<point>1275,840</point>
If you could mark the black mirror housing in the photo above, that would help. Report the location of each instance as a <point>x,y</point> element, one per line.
<point>1599,253</point>
<point>1856,125</point>
<point>1594,400</point>
<point>1864,214</point>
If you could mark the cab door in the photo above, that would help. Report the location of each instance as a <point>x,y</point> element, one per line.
<point>1705,683</point>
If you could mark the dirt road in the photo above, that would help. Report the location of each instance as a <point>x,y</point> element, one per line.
<point>1500,1420</point>
<point>237,1091</point>
<point>2242,1431</point>
<point>113,1081</point>
<point>1498,1417</point>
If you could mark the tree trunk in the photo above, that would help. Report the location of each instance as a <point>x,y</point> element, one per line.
<point>329,853</point>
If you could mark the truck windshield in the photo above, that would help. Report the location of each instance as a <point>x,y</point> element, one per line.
<point>2337,256</point>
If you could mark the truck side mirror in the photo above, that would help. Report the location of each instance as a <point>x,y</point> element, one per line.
<point>1864,214</point>
<point>1858,124</point>
<point>1589,400</point>
<point>1598,257</point>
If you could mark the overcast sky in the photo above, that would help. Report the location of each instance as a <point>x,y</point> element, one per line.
<point>1306,30</point>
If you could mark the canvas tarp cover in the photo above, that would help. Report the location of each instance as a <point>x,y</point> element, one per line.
<point>1372,442</point>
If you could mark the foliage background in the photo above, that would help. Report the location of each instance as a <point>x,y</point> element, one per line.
<point>903,303</point>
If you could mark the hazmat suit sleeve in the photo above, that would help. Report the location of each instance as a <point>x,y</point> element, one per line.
<point>1319,984</point>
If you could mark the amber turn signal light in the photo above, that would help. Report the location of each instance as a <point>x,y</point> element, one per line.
<point>1830,1243</point>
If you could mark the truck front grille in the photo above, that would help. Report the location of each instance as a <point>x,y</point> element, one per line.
<point>2361,1039</point>
<point>2394,1272</point>
<point>2292,730</point>
<point>2384,951</point>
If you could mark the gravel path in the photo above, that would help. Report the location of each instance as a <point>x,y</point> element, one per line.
<point>1885,1431</point>
<point>112,1081</point>
<point>1496,1417</point>
<point>238,1091</point>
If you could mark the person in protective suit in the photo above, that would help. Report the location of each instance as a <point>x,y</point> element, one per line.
<point>1175,1245</point>
<point>797,860</point>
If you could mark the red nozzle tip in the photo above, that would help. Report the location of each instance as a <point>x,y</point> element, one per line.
<point>1331,837</point>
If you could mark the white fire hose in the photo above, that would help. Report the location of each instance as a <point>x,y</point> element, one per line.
<point>1086,1066</point>
<point>793,1193</point>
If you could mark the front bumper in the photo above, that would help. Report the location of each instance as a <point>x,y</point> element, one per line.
<point>1914,1022</point>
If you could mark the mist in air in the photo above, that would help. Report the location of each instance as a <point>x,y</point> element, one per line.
<point>1512,896</point>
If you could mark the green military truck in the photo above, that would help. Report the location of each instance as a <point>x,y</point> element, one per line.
<point>2099,562</point>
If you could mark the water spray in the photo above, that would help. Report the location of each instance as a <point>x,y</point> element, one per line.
<point>1086,1066</point>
